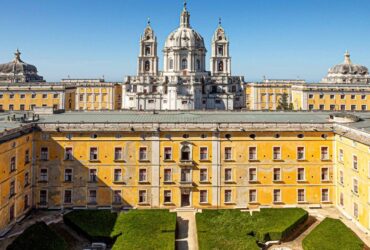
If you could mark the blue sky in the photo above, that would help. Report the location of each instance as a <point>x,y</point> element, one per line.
<point>272,38</point>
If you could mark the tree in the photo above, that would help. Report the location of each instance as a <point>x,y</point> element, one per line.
<point>284,103</point>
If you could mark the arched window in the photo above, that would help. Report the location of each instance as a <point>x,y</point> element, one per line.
<point>147,50</point>
<point>185,153</point>
<point>220,66</point>
<point>147,66</point>
<point>198,64</point>
<point>184,64</point>
<point>171,63</point>
<point>221,50</point>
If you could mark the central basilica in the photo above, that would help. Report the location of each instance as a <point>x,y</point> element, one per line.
<point>184,83</point>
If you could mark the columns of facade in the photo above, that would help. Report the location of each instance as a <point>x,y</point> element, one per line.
<point>77,99</point>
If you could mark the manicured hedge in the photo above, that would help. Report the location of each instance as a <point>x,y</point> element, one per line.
<point>95,225</point>
<point>232,229</point>
<point>38,237</point>
<point>332,234</point>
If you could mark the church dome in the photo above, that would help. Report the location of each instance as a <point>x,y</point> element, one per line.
<point>348,68</point>
<point>17,66</point>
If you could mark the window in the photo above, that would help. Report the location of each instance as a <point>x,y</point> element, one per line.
<point>26,203</point>
<point>22,107</point>
<point>277,195</point>
<point>203,175</point>
<point>43,195</point>
<point>68,175</point>
<point>354,162</point>
<point>147,50</point>
<point>324,174</point>
<point>117,175</point>
<point>301,195</point>
<point>353,97</point>
<point>310,96</point>
<point>118,154</point>
<point>142,175</point>
<point>277,174</point>
<point>142,196</point>
<point>184,64</point>
<point>143,154</point>
<point>13,165</point>
<point>67,196</point>
<point>324,153</point>
<point>355,210</point>
<point>363,97</point>
<point>168,175</point>
<point>342,107</point>
<point>310,107</point>
<point>185,153</point>
<point>341,155</point>
<point>228,155</point>
<point>44,96</point>
<point>203,196</point>
<point>93,175</point>
<point>117,194</point>
<point>341,199</point>
<point>324,195</point>
<point>81,97</point>
<point>203,153</point>
<point>167,153</point>
<point>186,175</point>
<point>44,154</point>
<point>363,108</point>
<point>12,189</point>
<point>26,179</point>
<point>332,96</point>
<point>355,186</point>
<point>353,107</point>
<point>276,153</point>
<point>55,95</point>
<point>341,177</point>
<point>228,196</point>
<point>253,174</point>
<point>342,97</point>
<point>300,153</point>
<point>321,96</point>
<point>27,157</point>
<point>92,197</point>
<point>11,96</point>
<point>147,66</point>
<point>167,196</point>
<point>228,174</point>
<point>1,96</point>
<point>43,174</point>
<point>321,107</point>
<point>252,153</point>
<point>220,50</point>
<point>252,195</point>
<point>332,107</point>
<point>301,174</point>
<point>171,63</point>
<point>11,107</point>
<point>68,154</point>
<point>93,154</point>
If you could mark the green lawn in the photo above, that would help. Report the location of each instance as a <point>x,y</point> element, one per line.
<point>332,234</point>
<point>136,229</point>
<point>232,229</point>
<point>38,237</point>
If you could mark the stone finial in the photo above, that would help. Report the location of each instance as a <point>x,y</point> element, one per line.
<point>347,57</point>
<point>17,55</point>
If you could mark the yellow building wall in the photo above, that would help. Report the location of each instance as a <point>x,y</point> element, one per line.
<point>42,99</point>
<point>327,99</point>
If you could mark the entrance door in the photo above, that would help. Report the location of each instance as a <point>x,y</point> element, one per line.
<point>185,200</point>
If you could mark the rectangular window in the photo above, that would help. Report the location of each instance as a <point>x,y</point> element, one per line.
<point>118,154</point>
<point>44,154</point>
<point>33,96</point>
<point>68,175</point>
<point>44,96</point>
<point>353,97</point>
<point>341,155</point>
<point>342,107</point>
<point>363,97</point>
<point>142,196</point>
<point>22,107</point>
<point>228,196</point>
<point>142,175</point>
<point>253,174</point>
<point>203,196</point>
<point>355,186</point>
<point>301,195</point>
<point>324,153</point>
<point>228,174</point>
<point>26,179</point>
<point>310,107</point>
<point>25,202</point>
<point>252,195</point>
<point>355,210</point>
<point>277,174</point>
<point>277,195</point>
<point>43,195</point>
<point>27,157</point>
<point>276,153</point>
<point>321,96</point>
<point>203,153</point>
<point>43,174</point>
<point>301,174</point>
<point>324,195</point>
<point>354,162</point>
<point>117,197</point>
<point>341,177</point>
<point>11,96</point>
<point>321,107</point>
<point>332,107</point>
<point>93,177</point>
<point>117,175</point>
<point>252,153</point>
<point>11,107</point>
<point>168,175</point>
<point>167,153</point>
<point>310,96</point>
<point>325,174</point>
<point>92,197</point>
<point>13,165</point>
<point>342,97</point>
<point>67,196</point>
<point>353,107</point>
<point>186,175</point>
<point>228,155</point>
<point>332,96</point>
<point>300,153</point>
<point>143,154</point>
<point>94,154</point>
<point>363,108</point>
<point>12,189</point>
<point>203,175</point>
<point>167,196</point>
<point>68,154</point>
<point>55,95</point>
<point>341,199</point>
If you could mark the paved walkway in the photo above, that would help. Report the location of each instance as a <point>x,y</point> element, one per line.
<point>186,231</point>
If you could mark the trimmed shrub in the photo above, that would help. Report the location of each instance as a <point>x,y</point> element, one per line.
<point>38,237</point>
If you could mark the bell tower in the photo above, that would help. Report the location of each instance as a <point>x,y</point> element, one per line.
<point>148,59</point>
<point>220,58</point>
